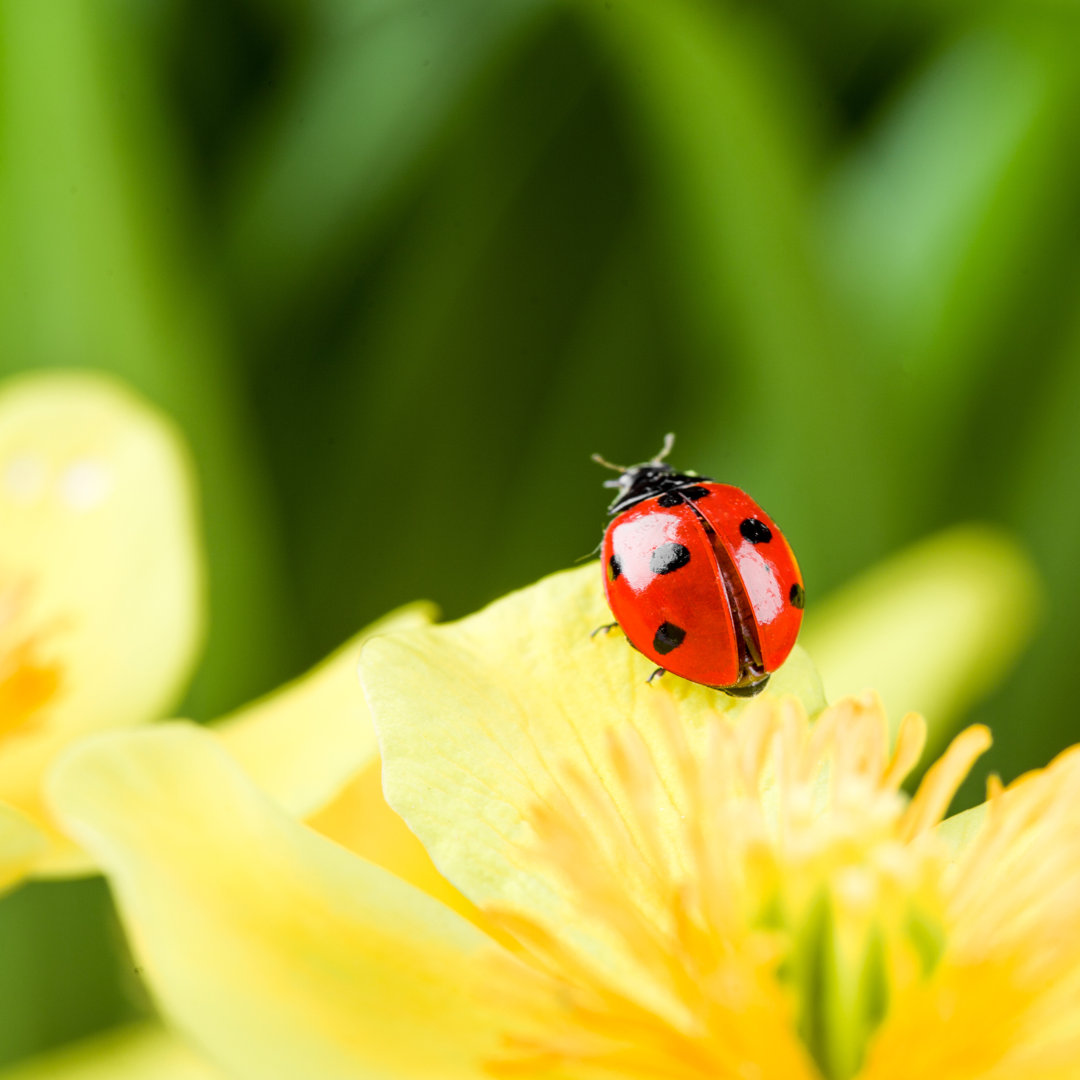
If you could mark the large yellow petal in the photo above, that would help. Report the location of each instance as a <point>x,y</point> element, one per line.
<point>481,720</point>
<point>100,576</point>
<point>312,746</point>
<point>138,1052</point>
<point>304,743</point>
<point>279,952</point>
<point>932,629</point>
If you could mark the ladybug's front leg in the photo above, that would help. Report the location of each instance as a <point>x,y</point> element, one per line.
<point>656,674</point>
<point>606,628</point>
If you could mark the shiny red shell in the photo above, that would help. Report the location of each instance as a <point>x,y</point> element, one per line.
<point>704,584</point>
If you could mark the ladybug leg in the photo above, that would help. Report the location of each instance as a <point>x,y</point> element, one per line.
<point>656,674</point>
<point>606,628</point>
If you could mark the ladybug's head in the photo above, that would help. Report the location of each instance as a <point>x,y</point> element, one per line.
<point>635,483</point>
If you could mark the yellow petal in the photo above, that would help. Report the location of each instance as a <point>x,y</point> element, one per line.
<point>932,629</point>
<point>303,743</point>
<point>21,845</point>
<point>100,575</point>
<point>138,1052</point>
<point>312,747</point>
<point>480,721</point>
<point>279,952</point>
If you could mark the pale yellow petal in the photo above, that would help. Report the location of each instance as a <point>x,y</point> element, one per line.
<point>311,746</point>
<point>21,845</point>
<point>960,830</point>
<point>279,952</point>
<point>137,1052</point>
<point>303,743</point>
<point>100,574</point>
<point>932,629</point>
<point>482,720</point>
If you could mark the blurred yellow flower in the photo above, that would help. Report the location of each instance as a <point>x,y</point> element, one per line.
<point>672,883</point>
<point>101,613</point>
<point>101,600</point>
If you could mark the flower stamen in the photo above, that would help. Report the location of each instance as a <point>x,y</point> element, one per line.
<point>751,897</point>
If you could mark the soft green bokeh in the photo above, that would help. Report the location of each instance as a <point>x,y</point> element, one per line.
<point>398,266</point>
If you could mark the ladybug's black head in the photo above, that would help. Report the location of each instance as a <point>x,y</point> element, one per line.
<point>635,483</point>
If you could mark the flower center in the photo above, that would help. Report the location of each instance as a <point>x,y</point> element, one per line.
<point>751,897</point>
<point>28,682</point>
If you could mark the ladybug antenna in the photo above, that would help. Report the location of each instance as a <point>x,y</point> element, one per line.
<point>669,442</point>
<point>607,464</point>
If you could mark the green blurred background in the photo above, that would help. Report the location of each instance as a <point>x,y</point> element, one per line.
<point>399,266</point>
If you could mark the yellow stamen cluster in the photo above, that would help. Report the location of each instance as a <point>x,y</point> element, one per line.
<point>760,899</point>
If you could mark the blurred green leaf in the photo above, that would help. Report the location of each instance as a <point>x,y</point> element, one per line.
<point>961,187</point>
<point>1037,714</point>
<point>475,306</point>
<point>375,92</point>
<point>62,975</point>
<point>724,127</point>
<point>710,108</point>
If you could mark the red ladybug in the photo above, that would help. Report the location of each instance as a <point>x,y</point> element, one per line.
<point>699,578</point>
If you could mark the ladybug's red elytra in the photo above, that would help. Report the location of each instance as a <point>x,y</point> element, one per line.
<point>699,577</point>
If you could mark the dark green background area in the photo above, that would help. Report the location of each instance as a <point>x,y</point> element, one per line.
<point>398,268</point>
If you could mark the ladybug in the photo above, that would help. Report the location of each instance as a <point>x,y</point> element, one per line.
<point>699,577</point>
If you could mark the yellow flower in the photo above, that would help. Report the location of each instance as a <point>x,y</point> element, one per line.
<point>101,612</point>
<point>100,586</point>
<point>673,883</point>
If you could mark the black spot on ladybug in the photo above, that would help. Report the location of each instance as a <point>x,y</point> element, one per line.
<point>614,568</point>
<point>668,500</point>
<point>668,637</point>
<point>797,596</point>
<point>668,557</point>
<point>757,532</point>
<point>696,493</point>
